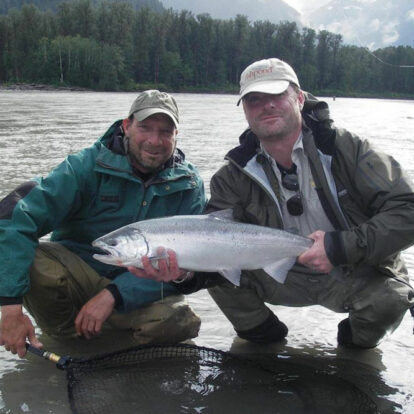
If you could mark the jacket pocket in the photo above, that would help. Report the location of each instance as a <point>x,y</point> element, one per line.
<point>110,198</point>
<point>352,210</point>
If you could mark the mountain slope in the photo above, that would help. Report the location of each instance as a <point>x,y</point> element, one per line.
<point>370,23</point>
<point>6,5</point>
<point>272,10</point>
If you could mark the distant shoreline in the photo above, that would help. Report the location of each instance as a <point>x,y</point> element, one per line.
<point>46,87</point>
<point>41,87</point>
<point>327,94</point>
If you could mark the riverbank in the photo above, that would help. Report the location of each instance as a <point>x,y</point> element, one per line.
<point>226,90</point>
<point>367,95</point>
<point>40,87</point>
<point>133,88</point>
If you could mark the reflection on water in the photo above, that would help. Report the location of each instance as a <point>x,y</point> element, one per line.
<point>188,379</point>
<point>38,129</point>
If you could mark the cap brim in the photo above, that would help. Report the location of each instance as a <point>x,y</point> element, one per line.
<point>145,113</point>
<point>273,87</point>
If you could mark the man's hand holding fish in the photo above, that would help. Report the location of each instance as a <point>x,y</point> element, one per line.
<point>166,271</point>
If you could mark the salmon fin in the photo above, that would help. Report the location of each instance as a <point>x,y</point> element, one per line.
<point>232,275</point>
<point>226,214</point>
<point>280,269</point>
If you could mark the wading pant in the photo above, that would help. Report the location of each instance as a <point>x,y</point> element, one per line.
<point>375,303</point>
<point>61,283</point>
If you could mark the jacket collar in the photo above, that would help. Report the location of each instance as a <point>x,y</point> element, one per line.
<point>248,148</point>
<point>321,135</point>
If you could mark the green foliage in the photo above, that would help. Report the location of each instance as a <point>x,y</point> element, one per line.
<point>79,61</point>
<point>120,45</point>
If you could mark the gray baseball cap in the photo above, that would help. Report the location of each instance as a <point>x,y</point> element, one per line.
<point>152,102</point>
<point>267,76</point>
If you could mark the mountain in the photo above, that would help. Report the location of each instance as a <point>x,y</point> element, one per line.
<point>370,23</point>
<point>272,10</point>
<point>6,5</point>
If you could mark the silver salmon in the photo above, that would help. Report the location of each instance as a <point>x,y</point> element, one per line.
<point>209,243</point>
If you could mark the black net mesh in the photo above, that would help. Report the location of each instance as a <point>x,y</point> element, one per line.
<point>189,379</point>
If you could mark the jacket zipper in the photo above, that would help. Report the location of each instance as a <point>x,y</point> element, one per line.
<point>253,178</point>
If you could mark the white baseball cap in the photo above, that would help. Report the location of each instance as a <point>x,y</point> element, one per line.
<point>267,76</point>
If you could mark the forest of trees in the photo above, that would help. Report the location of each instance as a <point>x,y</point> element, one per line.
<point>110,45</point>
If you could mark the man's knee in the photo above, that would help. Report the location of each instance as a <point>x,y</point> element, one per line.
<point>390,302</point>
<point>47,300</point>
<point>168,321</point>
<point>379,313</point>
<point>46,271</point>
<point>60,284</point>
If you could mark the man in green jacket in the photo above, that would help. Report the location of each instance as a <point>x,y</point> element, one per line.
<point>293,170</point>
<point>134,172</point>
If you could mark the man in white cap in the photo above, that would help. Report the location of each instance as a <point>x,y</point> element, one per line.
<point>293,170</point>
<point>134,172</point>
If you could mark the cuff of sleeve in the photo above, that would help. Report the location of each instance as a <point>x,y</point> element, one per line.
<point>119,302</point>
<point>334,248</point>
<point>189,285</point>
<point>4,301</point>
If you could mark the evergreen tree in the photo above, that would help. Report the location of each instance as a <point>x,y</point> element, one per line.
<point>120,45</point>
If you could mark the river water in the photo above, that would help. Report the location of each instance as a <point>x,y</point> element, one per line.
<point>38,129</point>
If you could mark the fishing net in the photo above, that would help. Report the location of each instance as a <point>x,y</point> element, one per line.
<point>190,379</point>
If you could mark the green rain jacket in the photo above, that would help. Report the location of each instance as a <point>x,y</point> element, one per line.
<point>88,195</point>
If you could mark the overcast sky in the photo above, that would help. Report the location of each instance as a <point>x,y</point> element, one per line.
<point>305,5</point>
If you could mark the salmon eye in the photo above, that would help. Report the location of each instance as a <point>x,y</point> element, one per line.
<point>112,242</point>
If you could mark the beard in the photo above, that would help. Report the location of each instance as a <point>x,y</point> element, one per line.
<point>278,121</point>
<point>276,129</point>
<point>147,158</point>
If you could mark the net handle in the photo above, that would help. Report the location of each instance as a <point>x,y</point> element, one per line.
<point>61,361</point>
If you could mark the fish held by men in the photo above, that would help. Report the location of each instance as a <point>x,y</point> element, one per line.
<point>209,243</point>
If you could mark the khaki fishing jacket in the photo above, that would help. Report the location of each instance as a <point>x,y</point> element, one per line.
<point>371,209</point>
<point>371,204</point>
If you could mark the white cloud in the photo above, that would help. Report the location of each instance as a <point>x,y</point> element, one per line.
<point>389,38</point>
<point>410,14</point>
<point>366,1</point>
<point>344,28</point>
<point>350,8</point>
<point>390,32</point>
<point>297,4</point>
<point>375,25</point>
<point>306,5</point>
